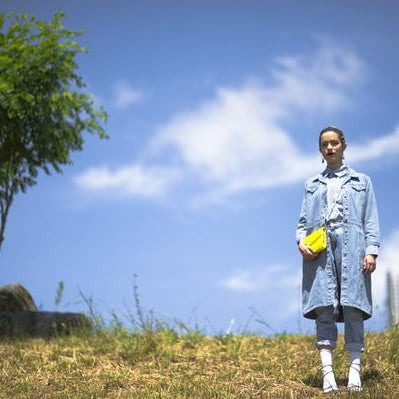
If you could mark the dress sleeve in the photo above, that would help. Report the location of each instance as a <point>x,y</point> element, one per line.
<point>371,223</point>
<point>302,223</point>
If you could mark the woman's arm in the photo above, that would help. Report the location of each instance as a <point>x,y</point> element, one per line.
<point>371,230</point>
<point>302,222</point>
<point>301,230</point>
<point>370,223</point>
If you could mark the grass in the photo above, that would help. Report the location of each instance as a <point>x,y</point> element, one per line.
<point>158,362</point>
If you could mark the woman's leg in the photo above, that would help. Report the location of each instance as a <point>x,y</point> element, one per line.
<point>326,328</point>
<point>326,339</point>
<point>354,324</point>
<point>354,343</point>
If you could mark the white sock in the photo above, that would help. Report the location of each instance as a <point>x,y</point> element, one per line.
<point>329,383</point>
<point>354,370</point>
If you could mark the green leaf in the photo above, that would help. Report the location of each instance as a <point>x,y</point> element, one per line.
<point>44,110</point>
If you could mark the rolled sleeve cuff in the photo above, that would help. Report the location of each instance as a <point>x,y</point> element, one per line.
<point>372,250</point>
<point>299,235</point>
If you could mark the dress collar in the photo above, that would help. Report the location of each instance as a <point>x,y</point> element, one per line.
<point>323,176</point>
<point>340,172</point>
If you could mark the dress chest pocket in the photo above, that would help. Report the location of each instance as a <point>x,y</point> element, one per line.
<point>312,189</point>
<point>315,204</point>
<point>358,187</point>
<point>358,191</point>
<point>357,194</point>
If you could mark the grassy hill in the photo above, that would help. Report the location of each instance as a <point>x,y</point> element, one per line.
<point>159,363</point>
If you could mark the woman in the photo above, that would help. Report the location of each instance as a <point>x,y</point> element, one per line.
<point>336,283</point>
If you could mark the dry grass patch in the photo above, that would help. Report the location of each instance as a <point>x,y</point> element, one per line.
<point>163,364</point>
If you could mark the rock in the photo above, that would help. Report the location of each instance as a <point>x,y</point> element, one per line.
<point>19,316</point>
<point>15,297</point>
<point>42,324</point>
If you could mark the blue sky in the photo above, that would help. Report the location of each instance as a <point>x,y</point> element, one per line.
<point>214,112</point>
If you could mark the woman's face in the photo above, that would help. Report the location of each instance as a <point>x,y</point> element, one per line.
<point>332,149</point>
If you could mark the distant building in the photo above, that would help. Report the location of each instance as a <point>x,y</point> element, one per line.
<point>393,298</point>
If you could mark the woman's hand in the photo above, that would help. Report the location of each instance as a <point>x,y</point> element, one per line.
<point>307,252</point>
<point>369,264</point>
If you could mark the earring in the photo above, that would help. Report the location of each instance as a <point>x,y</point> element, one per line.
<point>322,160</point>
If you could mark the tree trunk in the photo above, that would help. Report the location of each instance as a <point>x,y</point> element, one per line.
<point>2,228</point>
<point>5,207</point>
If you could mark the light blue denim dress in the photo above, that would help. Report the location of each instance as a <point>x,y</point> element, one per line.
<point>361,237</point>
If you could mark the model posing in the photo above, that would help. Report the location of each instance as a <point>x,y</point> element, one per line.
<point>336,283</point>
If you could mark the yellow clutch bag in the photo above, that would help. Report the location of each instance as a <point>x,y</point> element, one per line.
<point>317,240</point>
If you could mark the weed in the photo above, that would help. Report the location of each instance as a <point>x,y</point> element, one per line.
<point>58,294</point>
<point>95,316</point>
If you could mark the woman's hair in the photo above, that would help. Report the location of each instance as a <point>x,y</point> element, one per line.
<point>335,129</point>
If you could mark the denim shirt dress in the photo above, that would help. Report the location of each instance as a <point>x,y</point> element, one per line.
<point>361,235</point>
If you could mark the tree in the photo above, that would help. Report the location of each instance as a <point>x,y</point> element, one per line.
<point>44,109</point>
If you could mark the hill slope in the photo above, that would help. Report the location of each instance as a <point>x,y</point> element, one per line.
<point>163,364</point>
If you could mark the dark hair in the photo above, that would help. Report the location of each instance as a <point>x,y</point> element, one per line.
<point>335,129</point>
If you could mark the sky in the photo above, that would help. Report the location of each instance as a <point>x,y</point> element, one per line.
<point>214,109</point>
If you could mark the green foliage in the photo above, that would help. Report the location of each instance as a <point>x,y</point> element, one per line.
<point>393,339</point>
<point>44,109</point>
<point>93,314</point>
<point>59,293</point>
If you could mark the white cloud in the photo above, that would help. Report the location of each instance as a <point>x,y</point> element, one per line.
<point>380,147</point>
<point>316,82</point>
<point>229,138</point>
<point>129,181</point>
<point>236,141</point>
<point>268,278</point>
<point>278,284</point>
<point>387,261</point>
<point>125,95</point>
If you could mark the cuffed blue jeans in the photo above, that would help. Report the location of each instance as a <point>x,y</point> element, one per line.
<point>326,327</point>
